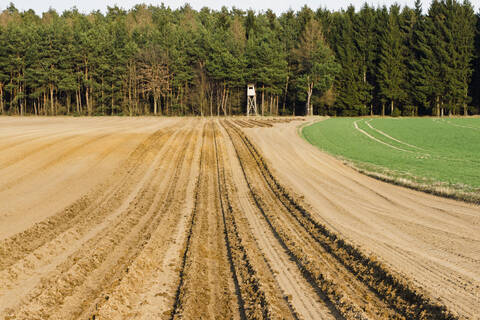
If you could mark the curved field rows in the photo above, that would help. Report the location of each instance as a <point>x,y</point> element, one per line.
<point>182,219</point>
<point>434,242</point>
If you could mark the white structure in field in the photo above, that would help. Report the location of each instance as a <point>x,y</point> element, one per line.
<point>251,100</point>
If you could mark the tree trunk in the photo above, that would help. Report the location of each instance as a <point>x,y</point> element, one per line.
<point>113,102</point>
<point>383,109</point>
<point>391,108</point>
<point>285,96</point>
<point>371,109</point>
<point>130,92</point>
<point>2,107</point>
<point>87,89</point>
<point>68,102</point>
<point>271,104</point>
<point>102,94</point>
<point>154,104</point>
<point>226,91</point>
<point>276,111</point>
<point>20,101</point>
<point>309,111</point>
<point>80,103</point>
<point>263,99</point>
<point>180,99</point>
<point>228,103</point>
<point>218,103</point>
<point>51,101</point>
<point>203,89</point>
<point>134,88</point>
<point>77,95</point>
<point>211,103</point>
<point>87,101</point>
<point>44,103</point>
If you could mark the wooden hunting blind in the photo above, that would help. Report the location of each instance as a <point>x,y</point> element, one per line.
<point>251,100</point>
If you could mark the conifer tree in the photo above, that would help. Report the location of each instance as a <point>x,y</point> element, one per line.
<point>475,84</point>
<point>317,63</point>
<point>418,63</point>
<point>4,62</point>
<point>391,66</point>
<point>157,60</point>
<point>266,62</point>
<point>464,42</point>
<point>366,44</point>
<point>349,81</point>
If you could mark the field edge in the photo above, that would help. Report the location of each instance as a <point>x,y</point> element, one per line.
<point>444,192</point>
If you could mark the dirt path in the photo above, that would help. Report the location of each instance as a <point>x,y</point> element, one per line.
<point>432,241</point>
<point>183,219</point>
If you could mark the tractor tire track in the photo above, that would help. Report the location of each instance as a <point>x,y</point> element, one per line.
<point>206,288</point>
<point>258,298</point>
<point>362,277</point>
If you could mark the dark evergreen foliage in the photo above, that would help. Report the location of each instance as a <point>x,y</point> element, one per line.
<point>155,60</point>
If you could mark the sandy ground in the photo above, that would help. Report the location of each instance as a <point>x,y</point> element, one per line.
<point>58,159</point>
<point>151,218</point>
<point>433,241</point>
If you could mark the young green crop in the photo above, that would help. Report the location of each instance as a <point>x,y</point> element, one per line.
<point>432,154</point>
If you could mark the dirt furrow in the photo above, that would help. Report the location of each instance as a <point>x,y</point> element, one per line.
<point>261,123</point>
<point>306,298</point>
<point>193,223</point>
<point>259,298</point>
<point>66,234</point>
<point>69,290</point>
<point>67,152</point>
<point>243,124</point>
<point>54,142</point>
<point>19,157</point>
<point>147,291</point>
<point>367,279</point>
<point>206,288</point>
<point>27,138</point>
<point>164,212</point>
<point>88,207</point>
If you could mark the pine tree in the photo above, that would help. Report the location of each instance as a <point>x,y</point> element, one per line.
<point>409,20</point>
<point>475,84</point>
<point>153,59</point>
<point>289,33</point>
<point>4,76</point>
<point>266,62</point>
<point>349,82</point>
<point>391,67</point>
<point>464,35</point>
<point>418,64</point>
<point>317,63</point>
<point>366,44</point>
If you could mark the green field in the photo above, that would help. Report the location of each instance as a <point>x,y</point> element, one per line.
<point>431,154</point>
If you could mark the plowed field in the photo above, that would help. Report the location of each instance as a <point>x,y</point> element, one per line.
<point>206,219</point>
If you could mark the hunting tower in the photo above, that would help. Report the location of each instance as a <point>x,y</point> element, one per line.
<point>251,100</point>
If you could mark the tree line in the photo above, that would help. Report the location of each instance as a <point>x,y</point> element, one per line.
<point>155,60</point>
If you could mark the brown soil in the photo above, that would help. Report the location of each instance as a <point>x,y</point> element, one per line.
<point>431,241</point>
<point>202,219</point>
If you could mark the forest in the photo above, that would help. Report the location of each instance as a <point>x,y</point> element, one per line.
<point>154,60</point>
